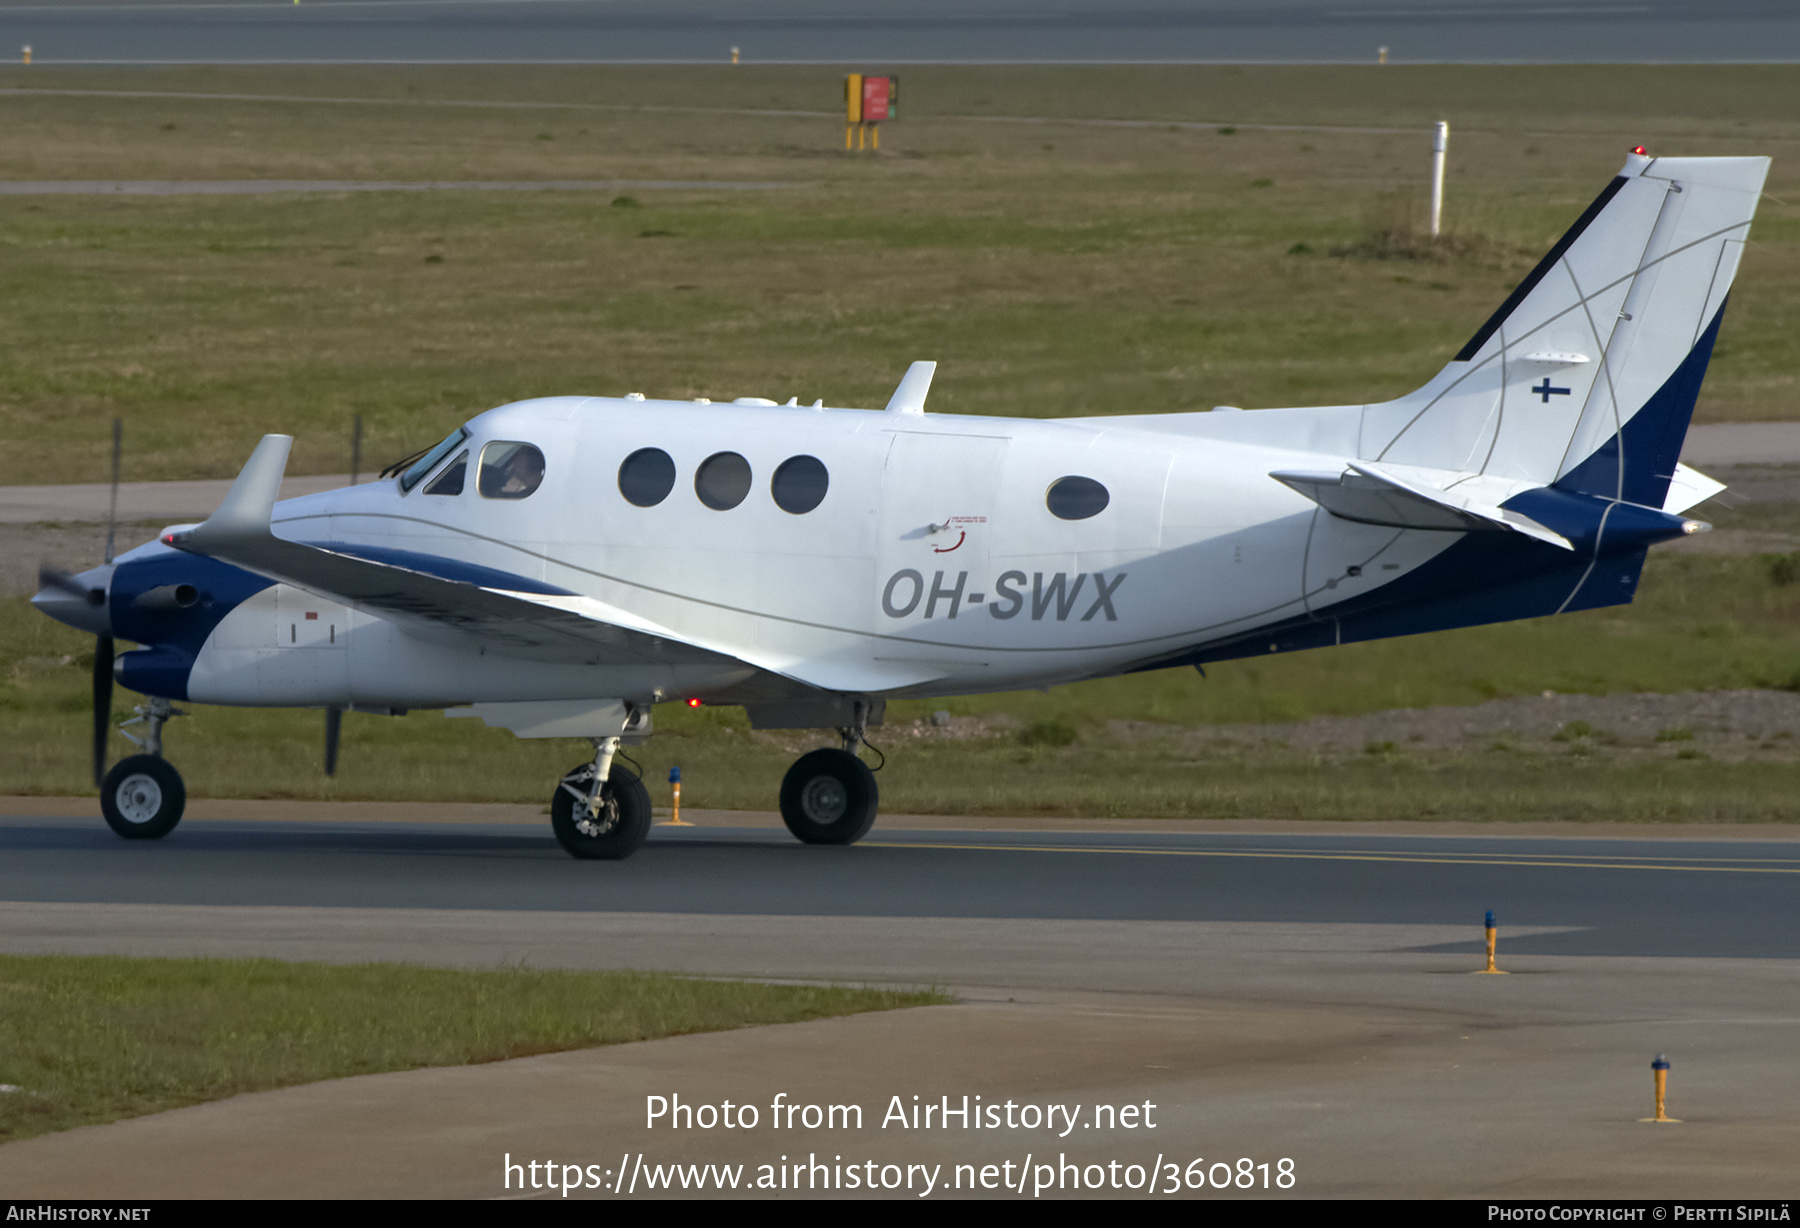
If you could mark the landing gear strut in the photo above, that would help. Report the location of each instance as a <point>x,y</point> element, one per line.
<point>829,796</point>
<point>143,796</point>
<point>601,810</point>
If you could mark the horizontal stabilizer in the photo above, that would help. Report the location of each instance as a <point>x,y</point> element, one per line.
<point>1360,493</point>
<point>1688,488</point>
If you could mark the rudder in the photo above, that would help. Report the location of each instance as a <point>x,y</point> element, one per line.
<point>1586,376</point>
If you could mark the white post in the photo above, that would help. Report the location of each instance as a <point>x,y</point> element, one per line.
<point>1440,138</point>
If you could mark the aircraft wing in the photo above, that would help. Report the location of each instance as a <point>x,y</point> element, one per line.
<point>505,612</point>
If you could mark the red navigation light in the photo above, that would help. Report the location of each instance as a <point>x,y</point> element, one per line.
<point>1638,150</point>
<point>694,702</point>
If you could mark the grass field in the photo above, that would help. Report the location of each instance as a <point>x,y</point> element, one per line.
<point>1052,267</point>
<point>92,1039</point>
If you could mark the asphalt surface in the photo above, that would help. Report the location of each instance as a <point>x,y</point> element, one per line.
<point>1275,994</point>
<point>904,31</point>
<point>1603,897</point>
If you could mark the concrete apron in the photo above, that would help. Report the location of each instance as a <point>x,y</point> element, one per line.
<point>1378,1068</point>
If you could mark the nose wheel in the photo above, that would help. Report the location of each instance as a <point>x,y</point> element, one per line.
<point>143,797</point>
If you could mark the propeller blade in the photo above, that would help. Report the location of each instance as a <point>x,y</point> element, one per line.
<point>103,684</point>
<point>77,600</point>
<point>112,508</point>
<point>68,582</point>
<point>334,726</point>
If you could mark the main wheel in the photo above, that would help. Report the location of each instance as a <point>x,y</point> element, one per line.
<point>621,825</point>
<point>829,797</point>
<point>143,797</point>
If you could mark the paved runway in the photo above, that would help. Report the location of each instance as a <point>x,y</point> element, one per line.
<point>1275,994</point>
<point>1600,897</point>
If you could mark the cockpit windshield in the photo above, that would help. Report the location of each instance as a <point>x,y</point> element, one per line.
<point>427,462</point>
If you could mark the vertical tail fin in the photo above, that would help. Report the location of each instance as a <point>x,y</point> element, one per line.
<point>1586,376</point>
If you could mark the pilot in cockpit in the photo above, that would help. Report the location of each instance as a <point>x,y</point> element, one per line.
<point>524,470</point>
<point>515,472</point>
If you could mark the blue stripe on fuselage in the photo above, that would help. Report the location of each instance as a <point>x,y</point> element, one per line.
<point>1484,578</point>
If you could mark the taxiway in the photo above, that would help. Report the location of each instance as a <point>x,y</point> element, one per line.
<point>1276,994</point>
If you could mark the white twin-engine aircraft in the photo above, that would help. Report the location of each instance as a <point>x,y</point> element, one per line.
<point>558,566</point>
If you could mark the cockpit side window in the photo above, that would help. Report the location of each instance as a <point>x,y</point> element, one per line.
<point>450,481</point>
<point>426,463</point>
<point>509,470</point>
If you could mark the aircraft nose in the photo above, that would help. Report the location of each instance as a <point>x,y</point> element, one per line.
<point>76,600</point>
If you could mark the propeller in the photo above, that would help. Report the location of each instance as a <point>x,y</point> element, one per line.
<point>112,506</point>
<point>103,643</point>
<point>103,684</point>
<point>79,600</point>
<point>68,582</point>
<point>334,726</point>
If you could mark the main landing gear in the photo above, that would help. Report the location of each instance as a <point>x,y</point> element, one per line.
<point>143,797</point>
<point>601,810</point>
<point>829,796</point>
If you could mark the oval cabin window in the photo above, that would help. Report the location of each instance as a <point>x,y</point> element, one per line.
<point>1075,498</point>
<point>647,477</point>
<point>722,481</point>
<point>799,484</point>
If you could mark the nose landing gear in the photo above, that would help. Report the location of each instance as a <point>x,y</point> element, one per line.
<point>143,796</point>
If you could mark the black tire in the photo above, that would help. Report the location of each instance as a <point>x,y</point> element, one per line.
<point>829,797</point>
<point>623,822</point>
<point>142,797</point>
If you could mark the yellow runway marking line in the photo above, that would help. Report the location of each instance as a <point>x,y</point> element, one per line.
<point>1547,862</point>
<point>1498,858</point>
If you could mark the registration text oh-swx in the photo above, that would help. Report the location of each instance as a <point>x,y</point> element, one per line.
<point>1057,596</point>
